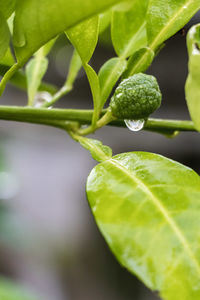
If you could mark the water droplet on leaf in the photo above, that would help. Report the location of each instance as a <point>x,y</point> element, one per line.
<point>41,98</point>
<point>135,125</point>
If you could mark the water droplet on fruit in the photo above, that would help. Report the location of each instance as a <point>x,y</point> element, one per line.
<point>41,98</point>
<point>135,125</point>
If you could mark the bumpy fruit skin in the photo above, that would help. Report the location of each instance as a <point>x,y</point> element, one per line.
<point>136,97</point>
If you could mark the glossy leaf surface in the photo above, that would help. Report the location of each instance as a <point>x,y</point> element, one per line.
<point>104,20</point>
<point>129,28</point>
<point>37,21</point>
<point>95,88</point>
<point>84,37</point>
<point>192,88</point>
<point>98,151</point>
<point>148,210</point>
<point>7,7</point>
<point>5,36</point>
<point>166,17</point>
<point>109,75</point>
<point>139,62</point>
<point>8,58</point>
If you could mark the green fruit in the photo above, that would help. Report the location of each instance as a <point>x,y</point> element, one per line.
<point>136,97</point>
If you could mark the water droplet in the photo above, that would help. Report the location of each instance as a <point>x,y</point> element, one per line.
<point>135,125</point>
<point>42,98</point>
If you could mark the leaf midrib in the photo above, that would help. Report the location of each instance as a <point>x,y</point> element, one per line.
<point>132,40</point>
<point>172,19</point>
<point>152,46</point>
<point>174,227</point>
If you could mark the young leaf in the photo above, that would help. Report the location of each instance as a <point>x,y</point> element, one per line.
<point>148,210</point>
<point>192,87</point>
<point>109,75</point>
<point>19,80</point>
<point>8,58</point>
<point>7,7</point>
<point>98,151</point>
<point>5,36</point>
<point>129,28</point>
<point>104,20</point>
<point>36,21</point>
<point>139,62</point>
<point>74,68</point>
<point>84,37</point>
<point>35,71</point>
<point>166,17</point>
<point>95,89</point>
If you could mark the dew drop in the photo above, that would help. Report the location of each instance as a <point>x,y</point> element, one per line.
<point>135,125</point>
<point>41,98</point>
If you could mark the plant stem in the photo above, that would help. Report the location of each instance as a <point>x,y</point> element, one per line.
<point>7,77</point>
<point>19,80</point>
<point>104,120</point>
<point>74,69</point>
<point>60,93</point>
<point>54,116</point>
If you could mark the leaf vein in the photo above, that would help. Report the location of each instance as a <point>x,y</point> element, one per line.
<point>177,231</point>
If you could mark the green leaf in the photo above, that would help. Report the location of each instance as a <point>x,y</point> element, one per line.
<point>129,28</point>
<point>5,36</point>
<point>166,17</point>
<point>139,62</point>
<point>7,7</point>
<point>192,87</point>
<point>148,210</point>
<point>95,89</point>
<point>104,20</point>
<point>10,22</point>
<point>98,151</point>
<point>8,58</point>
<point>74,68</point>
<point>35,70</point>
<point>109,74</point>
<point>84,38</point>
<point>19,80</point>
<point>47,47</point>
<point>36,21</point>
